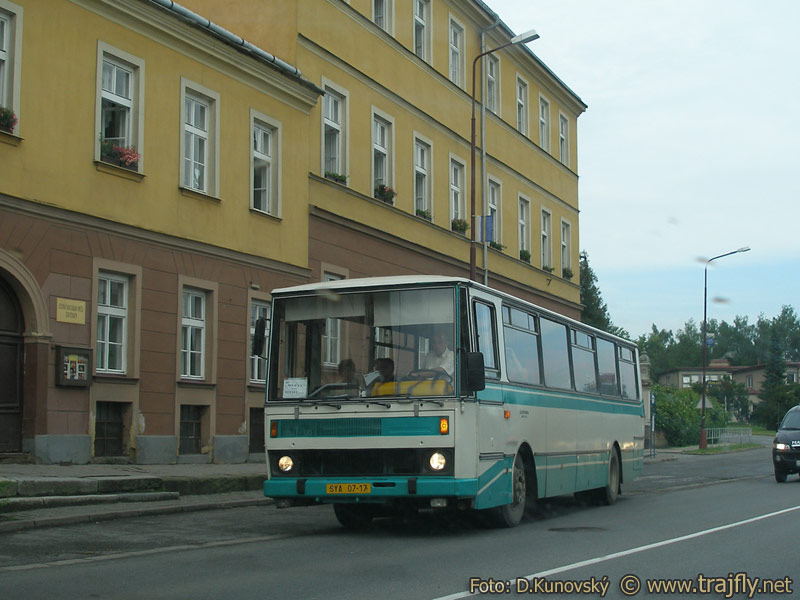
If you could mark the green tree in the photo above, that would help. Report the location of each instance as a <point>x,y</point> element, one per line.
<point>731,396</point>
<point>678,417</point>
<point>595,311</point>
<point>776,395</point>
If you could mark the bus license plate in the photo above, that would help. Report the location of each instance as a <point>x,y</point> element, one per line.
<point>348,488</point>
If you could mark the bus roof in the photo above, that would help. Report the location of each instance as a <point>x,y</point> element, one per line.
<point>428,280</point>
<point>370,282</point>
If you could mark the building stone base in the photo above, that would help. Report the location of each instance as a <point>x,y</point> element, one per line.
<point>157,449</point>
<point>55,449</point>
<point>230,448</point>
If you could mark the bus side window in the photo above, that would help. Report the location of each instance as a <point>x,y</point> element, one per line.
<point>487,340</point>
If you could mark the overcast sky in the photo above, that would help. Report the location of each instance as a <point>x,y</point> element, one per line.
<point>690,148</point>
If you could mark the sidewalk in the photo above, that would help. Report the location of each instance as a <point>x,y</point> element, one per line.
<point>42,495</point>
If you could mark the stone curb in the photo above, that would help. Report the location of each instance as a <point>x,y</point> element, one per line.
<point>87,517</point>
<point>21,503</point>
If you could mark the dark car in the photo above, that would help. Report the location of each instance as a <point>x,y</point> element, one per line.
<point>786,446</point>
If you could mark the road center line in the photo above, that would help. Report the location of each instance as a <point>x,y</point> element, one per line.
<point>607,557</point>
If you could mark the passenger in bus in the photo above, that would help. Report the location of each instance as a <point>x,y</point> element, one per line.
<point>385,369</point>
<point>347,371</point>
<point>440,358</point>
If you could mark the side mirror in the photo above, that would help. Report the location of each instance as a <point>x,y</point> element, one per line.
<point>474,371</point>
<point>259,337</point>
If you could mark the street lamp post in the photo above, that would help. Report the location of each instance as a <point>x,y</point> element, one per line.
<point>522,38</point>
<point>703,441</point>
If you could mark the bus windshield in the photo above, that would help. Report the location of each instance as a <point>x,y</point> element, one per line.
<point>353,344</point>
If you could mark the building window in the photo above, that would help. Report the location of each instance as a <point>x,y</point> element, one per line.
<point>563,139</point>
<point>544,124</point>
<point>456,53</point>
<point>191,429</point>
<point>10,55</point>
<point>566,246</point>
<point>422,183</point>
<point>193,330</point>
<point>748,382</point>
<point>382,14</point>
<point>112,317</point>
<point>333,331</point>
<point>547,253</point>
<point>421,37</point>
<point>109,428</point>
<point>199,139</point>
<point>333,135</point>
<point>524,227</point>
<point>522,106</point>
<point>457,206</point>
<point>265,153</point>
<point>119,107</point>
<point>493,226</point>
<point>492,83</point>
<point>381,160</point>
<point>258,364</point>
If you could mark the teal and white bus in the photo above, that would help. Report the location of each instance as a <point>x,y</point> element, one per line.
<point>396,393</point>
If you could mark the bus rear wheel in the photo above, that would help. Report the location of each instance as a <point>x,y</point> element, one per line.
<point>354,516</point>
<point>608,495</point>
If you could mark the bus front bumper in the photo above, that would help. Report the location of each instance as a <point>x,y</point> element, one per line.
<point>361,489</point>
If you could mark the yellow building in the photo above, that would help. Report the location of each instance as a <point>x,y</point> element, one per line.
<point>397,76</point>
<point>164,174</point>
<point>144,196</point>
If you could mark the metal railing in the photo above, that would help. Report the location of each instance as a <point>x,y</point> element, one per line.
<point>728,435</point>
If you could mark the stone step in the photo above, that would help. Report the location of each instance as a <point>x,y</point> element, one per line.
<point>19,503</point>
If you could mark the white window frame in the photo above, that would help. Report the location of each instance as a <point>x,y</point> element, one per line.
<point>133,136</point>
<point>457,175</point>
<point>11,58</point>
<point>336,93</point>
<point>258,364</point>
<point>566,245</point>
<point>106,312</point>
<point>423,171</point>
<point>421,29</point>
<point>546,221</point>
<point>383,147</point>
<point>190,323</point>
<point>563,139</point>
<point>270,160</point>
<point>544,123</point>
<point>383,14</point>
<point>200,95</point>
<point>332,336</point>
<point>455,52</point>
<point>494,200</point>
<point>524,223</point>
<point>493,83</point>
<point>521,94</point>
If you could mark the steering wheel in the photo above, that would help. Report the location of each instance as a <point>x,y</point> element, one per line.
<point>422,374</point>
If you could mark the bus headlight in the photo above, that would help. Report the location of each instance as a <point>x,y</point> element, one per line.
<point>437,461</point>
<point>285,463</point>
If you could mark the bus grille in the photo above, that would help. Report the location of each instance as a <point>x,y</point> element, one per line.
<point>352,463</point>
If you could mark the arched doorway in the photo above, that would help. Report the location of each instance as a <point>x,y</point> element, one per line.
<point>11,357</point>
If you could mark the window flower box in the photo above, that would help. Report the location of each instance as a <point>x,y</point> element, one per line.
<point>385,193</point>
<point>121,156</point>
<point>8,120</point>
<point>424,214</point>
<point>525,256</point>
<point>459,226</point>
<point>336,177</point>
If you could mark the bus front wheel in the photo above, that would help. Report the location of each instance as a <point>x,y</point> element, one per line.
<point>511,514</point>
<point>354,516</point>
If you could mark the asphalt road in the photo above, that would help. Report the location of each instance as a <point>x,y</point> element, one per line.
<point>694,518</point>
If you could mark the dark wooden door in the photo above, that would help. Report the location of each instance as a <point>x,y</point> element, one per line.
<point>11,327</point>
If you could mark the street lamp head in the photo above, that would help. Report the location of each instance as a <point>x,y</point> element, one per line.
<point>744,249</point>
<point>524,38</point>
